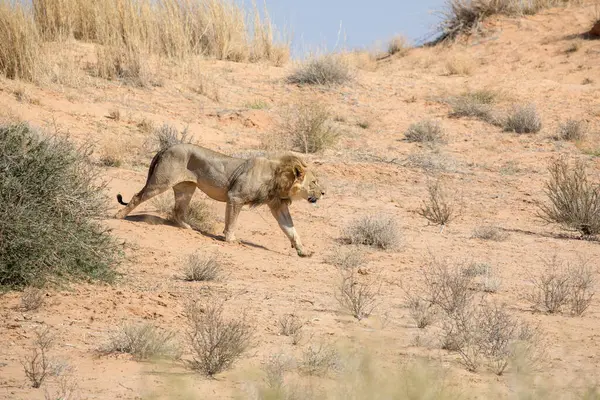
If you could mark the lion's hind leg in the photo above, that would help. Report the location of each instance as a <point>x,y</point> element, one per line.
<point>147,192</point>
<point>183,195</point>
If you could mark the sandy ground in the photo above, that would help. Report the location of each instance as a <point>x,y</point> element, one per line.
<point>497,177</point>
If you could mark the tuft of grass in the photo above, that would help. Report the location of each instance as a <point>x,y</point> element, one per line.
<point>375,231</point>
<point>398,45</point>
<point>257,104</point>
<point>426,131</point>
<point>200,267</point>
<point>523,119</point>
<point>166,136</point>
<point>291,325</point>
<point>437,209</point>
<point>574,202</point>
<point>489,232</point>
<point>329,69</point>
<point>58,238</point>
<point>143,341</point>
<point>423,312</point>
<point>357,296</point>
<point>346,257</point>
<point>477,104</point>
<point>20,44</point>
<point>216,342</point>
<point>32,299</point>
<point>571,130</point>
<point>308,128</point>
<point>319,360</point>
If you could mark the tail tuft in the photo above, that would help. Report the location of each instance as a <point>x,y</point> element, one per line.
<point>120,199</point>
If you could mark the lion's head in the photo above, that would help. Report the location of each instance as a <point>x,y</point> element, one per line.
<point>296,181</point>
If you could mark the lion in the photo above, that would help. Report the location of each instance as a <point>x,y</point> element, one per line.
<point>255,181</point>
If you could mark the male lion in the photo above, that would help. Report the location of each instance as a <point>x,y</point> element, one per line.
<point>236,181</point>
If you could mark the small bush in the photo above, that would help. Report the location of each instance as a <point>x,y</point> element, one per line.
<point>571,130</point>
<point>200,267</point>
<point>459,66</point>
<point>523,120</point>
<point>19,43</point>
<point>398,45</point>
<point>216,342</point>
<point>347,257</point>
<point>582,288</point>
<point>329,69</point>
<point>32,299</point>
<point>39,365</point>
<point>574,202</point>
<point>376,231</point>
<point>489,232</point>
<point>437,209</point>
<point>356,296</point>
<point>423,312</point>
<point>143,341</point>
<point>308,127</point>
<point>319,360</point>
<point>199,213</point>
<point>167,136</point>
<point>426,131</point>
<point>50,200</point>
<point>291,325</point>
<point>447,287</point>
<point>476,104</point>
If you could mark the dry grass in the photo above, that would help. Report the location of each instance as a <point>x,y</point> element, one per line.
<point>459,65</point>
<point>574,202</point>
<point>291,325</point>
<point>477,104</point>
<point>20,46</point>
<point>319,360</point>
<point>447,286</point>
<point>143,341</point>
<point>571,130</point>
<point>398,45</point>
<point>423,312</point>
<point>426,131</point>
<point>167,135</point>
<point>523,119</point>
<point>216,342</point>
<point>201,267</point>
<point>347,257</point>
<point>308,127</point>
<point>438,208</point>
<point>329,69</point>
<point>375,231</point>
<point>489,232</point>
<point>358,296</point>
<point>39,365</point>
<point>32,299</point>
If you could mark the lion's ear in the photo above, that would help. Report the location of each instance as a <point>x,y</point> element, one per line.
<point>298,172</point>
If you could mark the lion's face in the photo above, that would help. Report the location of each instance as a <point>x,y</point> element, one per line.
<point>309,188</point>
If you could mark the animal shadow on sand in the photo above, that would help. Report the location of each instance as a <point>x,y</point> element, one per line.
<point>156,220</point>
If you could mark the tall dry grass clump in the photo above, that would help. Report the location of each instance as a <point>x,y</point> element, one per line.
<point>19,42</point>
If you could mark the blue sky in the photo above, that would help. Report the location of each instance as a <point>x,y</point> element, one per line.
<point>315,24</point>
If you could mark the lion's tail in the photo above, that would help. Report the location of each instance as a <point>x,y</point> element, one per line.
<point>151,169</point>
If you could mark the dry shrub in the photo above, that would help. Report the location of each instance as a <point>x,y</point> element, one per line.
<point>489,232</point>
<point>447,286</point>
<point>358,296</point>
<point>319,360</point>
<point>456,65</point>
<point>376,231</point>
<point>216,342</point>
<point>483,276</point>
<point>561,285</point>
<point>39,365</point>
<point>201,267</point>
<point>19,43</point>
<point>423,312</point>
<point>523,119</point>
<point>347,257</point>
<point>308,128</point>
<point>329,69</point>
<point>167,135</point>
<point>438,208</point>
<point>199,214</point>
<point>32,298</point>
<point>143,341</point>
<point>574,202</point>
<point>58,238</point>
<point>291,325</point>
<point>426,131</point>
<point>571,130</point>
<point>477,104</point>
<point>398,45</point>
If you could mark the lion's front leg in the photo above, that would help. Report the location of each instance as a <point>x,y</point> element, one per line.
<point>232,211</point>
<point>284,219</point>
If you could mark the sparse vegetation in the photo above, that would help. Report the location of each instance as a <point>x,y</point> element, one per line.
<point>319,359</point>
<point>489,232</point>
<point>376,231</point>
<point>447,286</point>
<point>291,325</point>
<point>426,131</point>
<point>357,296</point>
<point>143,341</point>
<point>19,43</point>
<point>523,119</point>
<point>167,136</point>
<point>50,200</point>
<point>560,285</point>
<point>39,365</point>
<point>571,130</point>
<point>201,267</point>
<point>216,342</point>
<point>32,298</point>
<point>574,202</point>
<point>477,104</point>
<point>347,257</point>
<point>308,128</point>
<point>329,69</point>
<point>438,208</point>
<point>423,312</point>
<point>398,45</point>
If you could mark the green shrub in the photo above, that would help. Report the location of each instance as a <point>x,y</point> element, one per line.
<point>49,202</point>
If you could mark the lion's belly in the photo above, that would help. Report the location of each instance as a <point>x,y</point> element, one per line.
<point>215,193</point>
